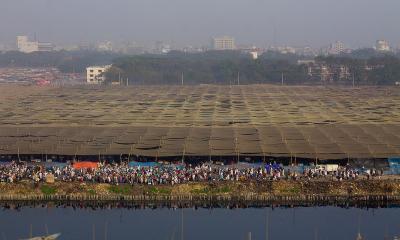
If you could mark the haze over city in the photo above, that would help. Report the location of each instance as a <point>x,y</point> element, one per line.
<point>358,23</point>
<point>200,119</point>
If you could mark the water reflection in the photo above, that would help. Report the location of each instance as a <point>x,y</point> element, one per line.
<point>116,220</point>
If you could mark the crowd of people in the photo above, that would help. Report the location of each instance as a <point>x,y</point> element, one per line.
<point>123,173</point>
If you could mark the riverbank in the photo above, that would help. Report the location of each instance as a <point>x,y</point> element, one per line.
<point>273,191</point>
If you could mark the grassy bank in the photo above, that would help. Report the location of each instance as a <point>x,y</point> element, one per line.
<point>220,190</point>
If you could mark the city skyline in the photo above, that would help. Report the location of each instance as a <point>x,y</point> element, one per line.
<point>25,44</point>
<point>262,23</point>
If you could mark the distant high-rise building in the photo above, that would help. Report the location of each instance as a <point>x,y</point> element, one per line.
<point>2,47</point>
<point>336,48</point>
<point>161,48</point>
<point>254,54</point>
<point>224,43</point>
<point>284,50</point>
<point>382,46</point>
<point>105,46</point>
<point>306,51</point>
<point>26,46</point>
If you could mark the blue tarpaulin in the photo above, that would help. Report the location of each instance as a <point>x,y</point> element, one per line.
<point>394,165</point>
<point>242,165</point>
<point>143,164</point>
<point>297,168</point>
<point>175,166</point>
<point>47,165</point>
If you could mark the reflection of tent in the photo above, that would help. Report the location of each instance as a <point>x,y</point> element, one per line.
<point>82,165</point>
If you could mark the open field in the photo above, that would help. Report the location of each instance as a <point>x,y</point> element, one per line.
<point>323,123</point>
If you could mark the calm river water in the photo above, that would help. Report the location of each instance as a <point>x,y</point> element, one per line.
<point>201,223</point>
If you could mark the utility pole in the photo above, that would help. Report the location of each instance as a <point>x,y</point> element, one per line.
<point>183,154</point>
<point>182,79</point>
<point>282,79</point>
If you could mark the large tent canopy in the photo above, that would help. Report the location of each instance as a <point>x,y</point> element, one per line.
<point>174,121</point>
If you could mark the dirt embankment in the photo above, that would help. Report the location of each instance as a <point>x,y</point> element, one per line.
<point>233,189</point>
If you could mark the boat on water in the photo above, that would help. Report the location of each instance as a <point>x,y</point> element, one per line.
<point>359,236</point>
<point>48,237</point>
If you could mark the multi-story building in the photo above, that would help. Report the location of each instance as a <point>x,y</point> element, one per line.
<point>95,74</point>
<point>26,46</point>
<point>382,46</point>
<point>306,51</point>
<point>336,48</point>
<point>284,50</point>
<point>320,71</point>
<point>2,47</point>
<point>224,43</point>
<point>105,46</point>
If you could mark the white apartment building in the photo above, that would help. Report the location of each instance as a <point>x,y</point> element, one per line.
<point>254,55</point>
<point>336,48</point>
<point>382,46</point>
<point>224,43</point>
<point>105,46</point>
<point>95,74</point>
<point>26,46</point>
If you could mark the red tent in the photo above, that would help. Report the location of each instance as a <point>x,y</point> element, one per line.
<point>85,165</point>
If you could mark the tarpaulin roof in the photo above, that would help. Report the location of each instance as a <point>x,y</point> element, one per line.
<point>170,121</point>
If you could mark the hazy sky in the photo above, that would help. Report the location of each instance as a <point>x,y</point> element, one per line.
<point>183,22</point>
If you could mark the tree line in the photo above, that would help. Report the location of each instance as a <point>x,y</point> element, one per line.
<point>219,67</point>
<point>65,61</point>
<point>365,67</point>
<point>214,67</point>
